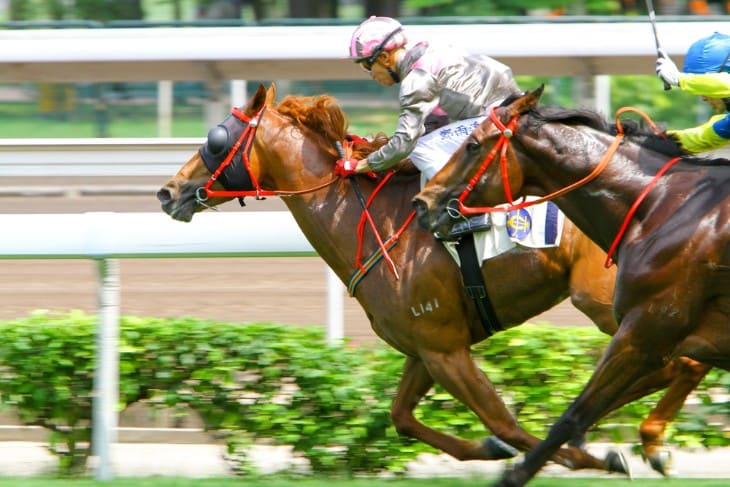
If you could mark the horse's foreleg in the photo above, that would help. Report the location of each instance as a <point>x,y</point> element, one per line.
<point>460,376</point>
<point>622,365</point>
<point>414,384</point>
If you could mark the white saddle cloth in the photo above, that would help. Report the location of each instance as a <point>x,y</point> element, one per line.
<point>539,226</point>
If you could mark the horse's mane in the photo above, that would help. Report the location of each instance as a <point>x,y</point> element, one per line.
<point>328,124</point>
<point>645,137</point>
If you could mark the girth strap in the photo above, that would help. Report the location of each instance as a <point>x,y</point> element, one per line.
<point>471,272</point>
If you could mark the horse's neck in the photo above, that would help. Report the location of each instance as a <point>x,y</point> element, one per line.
<point>597,207</point>
<point>329,215</point>
<point>329,218</point>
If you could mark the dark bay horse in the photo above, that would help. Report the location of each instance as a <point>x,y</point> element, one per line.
<point>664,216</point>
<point>288,150</point>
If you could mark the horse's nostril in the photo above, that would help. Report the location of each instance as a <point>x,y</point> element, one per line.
<point>164,195</point>
<point>419,205</point>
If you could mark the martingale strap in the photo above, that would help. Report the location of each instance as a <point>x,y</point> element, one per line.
<point>363,268</point>
<point>474,284</point>
<point>363,218</point>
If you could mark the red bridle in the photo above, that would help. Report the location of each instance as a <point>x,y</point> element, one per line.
<point>506,133</point>
<point>244,142</point>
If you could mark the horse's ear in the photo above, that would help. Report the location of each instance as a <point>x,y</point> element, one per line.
<point>531,98</point>
<point>257,100</point>
<point>534,96</point>
<point>271,94</point>
<point>527,101</point>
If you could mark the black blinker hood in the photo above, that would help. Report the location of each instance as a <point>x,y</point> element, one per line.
<point>235,176</point>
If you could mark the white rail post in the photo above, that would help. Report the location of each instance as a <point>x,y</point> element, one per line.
<point>335,308</point>
<point>165,103</point>
<point>602,94</point>
<point>239,95</point>
<point>106,377</point>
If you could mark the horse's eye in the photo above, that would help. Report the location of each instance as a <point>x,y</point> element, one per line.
<point>217,140</point>
<point>472,145</point>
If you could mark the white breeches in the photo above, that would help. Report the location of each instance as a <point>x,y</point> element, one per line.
<point>433,150</point>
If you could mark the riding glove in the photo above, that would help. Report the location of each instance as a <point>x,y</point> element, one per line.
<point>345,167</point>
<point>667,70</point>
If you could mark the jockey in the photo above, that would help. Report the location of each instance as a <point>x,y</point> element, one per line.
<point>439,87</point>
<point>435,84</point>
<point>706,73</point>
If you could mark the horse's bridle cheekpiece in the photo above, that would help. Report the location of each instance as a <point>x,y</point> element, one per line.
<point>226,155</point>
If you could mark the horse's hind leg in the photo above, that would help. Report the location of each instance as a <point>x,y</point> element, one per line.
<point>460,376</point>
<point>683,375</point>
<point>414,384</point>
<point>680,376</point>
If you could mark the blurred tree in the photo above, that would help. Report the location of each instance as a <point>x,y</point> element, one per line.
<point>632,7</point>
<point>514,7</point>
<point>22,10</point>
<point>104,10</point>
<point>224,9</point>
<point>313,9</point>
<point>57,9</point>
<point>219,9</point>
<point>385,8</point>
<point>177,8</point>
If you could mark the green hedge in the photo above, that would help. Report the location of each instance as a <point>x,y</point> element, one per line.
<point>266,382</point>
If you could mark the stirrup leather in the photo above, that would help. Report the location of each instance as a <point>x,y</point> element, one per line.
<point>473,224</point>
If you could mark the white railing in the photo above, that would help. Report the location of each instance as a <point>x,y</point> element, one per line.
<point>95,157</point>
<point>546,46</point>
<point>106,237</point>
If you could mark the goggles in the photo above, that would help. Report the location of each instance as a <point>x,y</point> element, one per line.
<point>367,62</point>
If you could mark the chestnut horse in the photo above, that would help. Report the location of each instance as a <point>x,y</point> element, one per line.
<point>289,150</point>
<point>664,218</point>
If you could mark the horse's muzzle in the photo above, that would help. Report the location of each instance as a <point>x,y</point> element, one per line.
<point>164,196</point>
<point>423,214</point>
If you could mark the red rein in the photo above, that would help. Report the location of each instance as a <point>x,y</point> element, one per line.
<point>244,142</point>
<point>502,145</point>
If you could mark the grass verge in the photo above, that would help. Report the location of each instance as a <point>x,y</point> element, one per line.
<point>316,482</point>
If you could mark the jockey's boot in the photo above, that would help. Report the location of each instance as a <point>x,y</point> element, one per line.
<point>478,223</point>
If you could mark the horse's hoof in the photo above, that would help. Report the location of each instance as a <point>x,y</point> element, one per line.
<point>498,449</point>
<point>509,479</point>
<point>615,462</point>
<point>661,462</point>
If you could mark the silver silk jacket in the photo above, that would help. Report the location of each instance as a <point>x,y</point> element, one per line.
<point>441,80</point>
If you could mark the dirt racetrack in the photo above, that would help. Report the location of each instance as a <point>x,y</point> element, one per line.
<point>290,290</point>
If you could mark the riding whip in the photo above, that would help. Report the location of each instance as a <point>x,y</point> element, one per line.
<point>363,203</point>
<point>652,19</point>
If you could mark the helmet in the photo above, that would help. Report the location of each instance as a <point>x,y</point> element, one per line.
<point>374,36</point>
<point>708,55</point>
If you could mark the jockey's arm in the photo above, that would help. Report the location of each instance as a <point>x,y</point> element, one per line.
<point>713,85</point>
<point>711,135</point>
<point>714,133</point>
<point>418,97</point>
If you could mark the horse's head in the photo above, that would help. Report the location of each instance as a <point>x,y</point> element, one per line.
<point>471,174</point>
<point>225,154</point>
